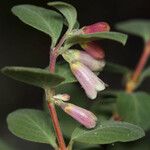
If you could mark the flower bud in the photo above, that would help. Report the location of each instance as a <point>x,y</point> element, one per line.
<point>63,97</point>
<point>86,59</point>
<point>94,49</point>
<point>88,80</point>
<point>83,116</point>
<point>96,27</point>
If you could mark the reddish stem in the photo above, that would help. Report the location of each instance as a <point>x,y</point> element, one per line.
<point>53,57</point>
<point>54,54</point>
<point>142,62</point>
<point>56,125</point>
<point>140,66</point>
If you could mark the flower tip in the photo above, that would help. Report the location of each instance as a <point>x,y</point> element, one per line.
<point>101,86</point>
<point>92,125</point>
<point>96,27</point>
<point>92,96</point>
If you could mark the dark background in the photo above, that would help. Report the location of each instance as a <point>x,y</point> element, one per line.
<point>24,46</point>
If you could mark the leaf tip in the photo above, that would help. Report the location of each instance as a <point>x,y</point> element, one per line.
<point>4,70</point>
<point>125,39</point>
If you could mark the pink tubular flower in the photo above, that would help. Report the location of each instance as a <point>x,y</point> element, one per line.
<point>94,49</point>
<point>86,59</point>
<point>96,27</point>
<point>83,116</point>
<point>89,81</point>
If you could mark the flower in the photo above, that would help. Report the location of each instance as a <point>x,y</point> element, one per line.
<point>94,49</point>
<point>96,27</point>
<point>88,80</point>
<point>63,97</point>
<point>86,59</point>
<point>83,116</point>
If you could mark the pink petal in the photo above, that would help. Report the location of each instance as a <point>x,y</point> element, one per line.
<point>98,84</point>
<point>83,116</point>
<point>97,27</point>
<point>94,49</point>
<point>81,72</point>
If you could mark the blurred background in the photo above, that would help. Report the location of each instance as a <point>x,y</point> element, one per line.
<point>21,45</point>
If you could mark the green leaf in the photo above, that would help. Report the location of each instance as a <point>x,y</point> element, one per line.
<point>82,146</point>
<point>116,36</point>
<point>48,21</point>
<point>142,144</point>
<point>77,25</point>
<point>116,68</point>
<point>134,108</point>
<point>67,10</point>
<point>34,76</point>
<point>33,125</point>
<point>64,71</point>
<point>108,132</point>
<point>145,74</point>
<point>137,27</point>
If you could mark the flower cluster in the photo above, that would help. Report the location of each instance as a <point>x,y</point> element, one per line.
<point>83,64</point>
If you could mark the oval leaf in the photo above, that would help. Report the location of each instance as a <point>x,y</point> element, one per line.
<point>67,10</point>
<point>137,27</point>
<point>116,36</point>
<point>48,21</point>
<point>108,132</point>
<point>32,125</point>
<point>134,108</point>
<point>34,76</point>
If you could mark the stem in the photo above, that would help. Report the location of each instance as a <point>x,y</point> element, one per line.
<point>54,54</point>
<point>131,84</point>
<point>51,106</point>
<point>70,145</point>
<point>56,126</point>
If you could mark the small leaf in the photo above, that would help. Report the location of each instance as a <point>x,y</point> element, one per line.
<point>48,21</point>
<point>145,74</point>
<point>137,27</point>
<point>67,10</point>
<point>116,36</point>
<point>34,76</point>
<point>108,132</point>
<point>77,25</point>
<point>65,71</point>
<point>134,108</point>
<point>116,68</point>
<point>33,125</point>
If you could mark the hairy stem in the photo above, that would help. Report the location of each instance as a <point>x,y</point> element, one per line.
<point>54,54</point>
<point>131,84</point>
<point>51,106</point>
<point>56,125</point>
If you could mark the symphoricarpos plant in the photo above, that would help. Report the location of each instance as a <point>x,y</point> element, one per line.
<point>78,111</point>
